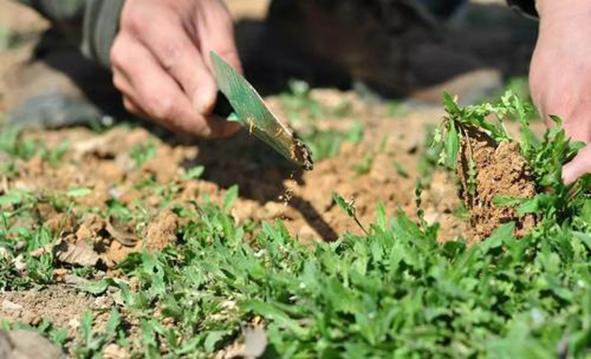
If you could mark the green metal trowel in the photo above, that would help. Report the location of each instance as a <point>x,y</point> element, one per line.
<point>255,116</point>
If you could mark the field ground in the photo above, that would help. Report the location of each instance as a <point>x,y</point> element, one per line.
<point>118,240</point>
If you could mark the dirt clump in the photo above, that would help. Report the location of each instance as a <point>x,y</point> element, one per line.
<point>488,170</point>
<point>162,231</point>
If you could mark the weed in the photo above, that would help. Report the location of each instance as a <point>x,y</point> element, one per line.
<point>142,153</point>
<point>92,342</point>
<point>349,208</point>
<point>392,292</point>
<point>400,169</point>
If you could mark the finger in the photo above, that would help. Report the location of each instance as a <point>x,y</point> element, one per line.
<point>153,92</point>
<point>216,33</point>
<point>124,86</point>
<point>579,166</point>
<point>133,108</point>
<point>178,55</point>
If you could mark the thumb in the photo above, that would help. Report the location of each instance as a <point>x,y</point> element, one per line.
<point>579,166</point>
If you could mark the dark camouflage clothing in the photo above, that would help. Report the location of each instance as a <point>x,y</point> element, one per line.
<point>94,23</point>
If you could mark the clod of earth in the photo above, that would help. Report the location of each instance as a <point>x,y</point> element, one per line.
<point>500,171</point>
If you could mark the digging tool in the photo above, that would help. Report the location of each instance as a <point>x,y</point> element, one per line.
<point>254,115</point>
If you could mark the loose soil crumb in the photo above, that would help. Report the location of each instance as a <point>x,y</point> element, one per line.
<point>501,170</point>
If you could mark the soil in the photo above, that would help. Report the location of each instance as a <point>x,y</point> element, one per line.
<point>50,304</point>
<point>501,170</point>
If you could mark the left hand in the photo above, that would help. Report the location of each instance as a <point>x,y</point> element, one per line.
<point>560,73</point>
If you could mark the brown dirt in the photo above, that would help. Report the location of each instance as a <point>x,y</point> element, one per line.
<point>102,163</point>
<point>59,304</point>
<point>501,170</point>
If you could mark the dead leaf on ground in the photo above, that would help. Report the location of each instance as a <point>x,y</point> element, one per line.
<point>121,232</point>
<point>79,253</point>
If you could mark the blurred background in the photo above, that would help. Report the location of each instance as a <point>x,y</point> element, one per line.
<point>380,49</point>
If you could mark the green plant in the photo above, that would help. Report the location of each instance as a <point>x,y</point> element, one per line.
<point>92,341</point>
<point>142,153</point>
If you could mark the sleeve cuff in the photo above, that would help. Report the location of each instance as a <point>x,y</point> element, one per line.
<point>101,24</point>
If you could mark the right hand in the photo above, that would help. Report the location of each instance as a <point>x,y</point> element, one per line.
<point>161,63</point>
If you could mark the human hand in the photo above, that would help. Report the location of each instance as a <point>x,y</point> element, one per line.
<point>560,73</point>
<point>161,63</point>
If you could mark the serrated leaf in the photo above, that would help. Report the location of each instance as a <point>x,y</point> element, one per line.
<point>503,233</point>
<point>212,339</point>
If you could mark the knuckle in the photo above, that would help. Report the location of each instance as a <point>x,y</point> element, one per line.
<point>118,54</point>
<point>134,21</point>
<point>172,55</point>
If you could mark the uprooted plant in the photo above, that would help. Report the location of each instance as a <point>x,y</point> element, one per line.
<point>503,180</point>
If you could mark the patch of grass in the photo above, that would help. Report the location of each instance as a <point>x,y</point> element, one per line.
<point>392,292</point>
<point>395,290</point>
<point>12,143</point>
<point>92,342</point>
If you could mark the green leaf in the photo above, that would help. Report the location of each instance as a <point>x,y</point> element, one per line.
<point>272,313</point>
<point>212,339</point>
<point>230,197</point>
<point>95,287</point>
<point>452,146</point>
<point>194,173</point>
<point>11,198</point>
<point>507,201</point>
<point>501,234</point>
<point>113,323</point>
<point>78,192</point>
<point>450,105</point>
<point>347,207</point>
<point>381,219</point>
